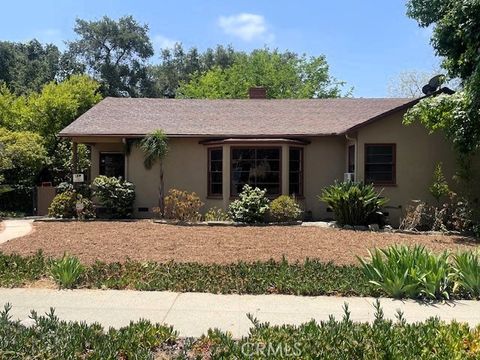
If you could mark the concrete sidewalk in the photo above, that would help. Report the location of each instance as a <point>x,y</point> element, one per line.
<point>14,229</point>
<point>192,314</point>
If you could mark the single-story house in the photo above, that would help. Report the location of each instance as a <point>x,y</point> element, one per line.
<point>285,146</point>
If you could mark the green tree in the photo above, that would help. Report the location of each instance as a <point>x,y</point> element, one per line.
<point>285,75</point>
<point>22,156</point>
<point>155,148</point>
<point>456,29</point>
<point>48,112</point>
<point>26,67</point>
<point>115,52</point>
<point>178,65</point>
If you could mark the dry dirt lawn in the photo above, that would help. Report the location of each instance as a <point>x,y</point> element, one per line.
<point>143,240</point>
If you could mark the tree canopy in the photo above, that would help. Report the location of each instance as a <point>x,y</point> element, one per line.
<point>178,65</point>
<point>285,75</point>
<point>27,67</point>
<point>115,53</point>
<point>456,38</point>
<point>22,156</point>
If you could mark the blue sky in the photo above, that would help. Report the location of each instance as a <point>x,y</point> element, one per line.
<point>367,43</point>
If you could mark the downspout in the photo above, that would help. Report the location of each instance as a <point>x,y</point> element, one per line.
<point>355,140</point>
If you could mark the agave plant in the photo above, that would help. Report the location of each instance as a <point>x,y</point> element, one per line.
<point>353,203</point>
<point>467,270</point>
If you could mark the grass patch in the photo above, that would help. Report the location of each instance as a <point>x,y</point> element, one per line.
<point>50,338</point>
<point>309,278</point>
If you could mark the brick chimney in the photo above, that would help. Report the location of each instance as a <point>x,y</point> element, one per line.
<point>257,93</point>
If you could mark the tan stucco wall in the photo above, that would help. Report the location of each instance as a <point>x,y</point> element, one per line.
<point>417,153</point>
<point>325,160</point>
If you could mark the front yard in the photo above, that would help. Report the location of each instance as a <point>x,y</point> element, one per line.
<point>112,241</point>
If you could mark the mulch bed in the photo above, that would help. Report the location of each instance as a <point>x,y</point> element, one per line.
<point>112,241</point>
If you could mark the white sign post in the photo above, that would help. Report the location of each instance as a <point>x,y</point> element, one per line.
<point>78,178</point>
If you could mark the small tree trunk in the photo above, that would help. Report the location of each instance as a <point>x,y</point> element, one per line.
<point>161,193</point>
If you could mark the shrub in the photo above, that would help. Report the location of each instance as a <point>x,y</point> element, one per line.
<point>467,268</point>
<point>82,189</point>
<point>439,188</point>
<point>115,195</point>
<point>410,272</point>
<point>216,214</point>
<point>67,271</point>
<point>353,203</point>
<point>64,206</point>
<point>251,207</point>
<point>285,209</point>
<point>182,205</point>
<point>454,215</point>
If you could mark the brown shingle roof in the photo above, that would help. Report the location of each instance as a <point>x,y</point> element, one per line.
<point>188,117</point>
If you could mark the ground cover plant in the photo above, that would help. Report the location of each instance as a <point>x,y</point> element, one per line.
<point>399,272</point>
<point>51,338</point>
<point>309,278</point>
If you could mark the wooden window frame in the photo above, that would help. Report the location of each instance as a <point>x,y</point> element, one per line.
<point>279,148</point>
<point>393,164</point>
<point>301,173</point>
<point>111,153</point>
<point>351,157</point>
<point>210,195</point>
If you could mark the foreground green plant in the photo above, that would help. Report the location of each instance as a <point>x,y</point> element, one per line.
<point>311,277</point>
<point>50,338</point>
<point>353,203</point>
<point>67,271</point>
<point>467,268</point>
<point>409,272</point>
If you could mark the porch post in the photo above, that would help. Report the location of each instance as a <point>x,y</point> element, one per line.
<point>74,157</point>
<point>285,168</point>
<point>226,175</point>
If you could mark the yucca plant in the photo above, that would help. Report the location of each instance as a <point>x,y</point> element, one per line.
<point>353,203</point>
<point>409,272</point>
<point>467,271</point>
<point>67,271</point>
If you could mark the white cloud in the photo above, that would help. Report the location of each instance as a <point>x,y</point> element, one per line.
<point>246,26</point>
<point>164,42</point>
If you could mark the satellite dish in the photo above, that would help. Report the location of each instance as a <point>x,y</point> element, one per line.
<point>427,89</point>
<point>434,84</point>
<point>436,81</point>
